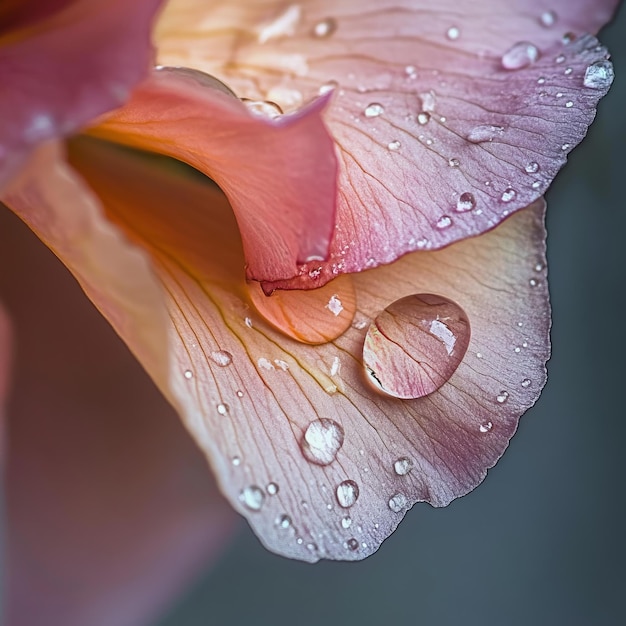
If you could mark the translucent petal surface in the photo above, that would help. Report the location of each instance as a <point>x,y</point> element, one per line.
<point>252,413</point>
<point>426,112</point>
<point>64,63</point>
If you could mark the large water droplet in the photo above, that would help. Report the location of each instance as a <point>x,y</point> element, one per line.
<point>522,54</point>
<point>324,28</point>
<point>466,202</point>
<point>312,316</point>
<point>221,358</point>
<point>532,167</point>
<point>599,75</point>
<point>508,194</point>
<point>403,466</point>
<point>321,441</point>
<point>374,110</point>
<point>444,222</point>
<point>413,347</point>
<point>485,132</point>
<point>347,493</point>
<point>423,118</point>
<point>252,497</point>
<point>397,502</point>
<point>352,544</point>
<point>263,108</point>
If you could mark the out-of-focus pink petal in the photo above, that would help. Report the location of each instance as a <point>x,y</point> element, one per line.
<point>65,63</point>
<point>437,139</point>
<point>280,175</point>
<point>294,432</point>
<point>110,507</point>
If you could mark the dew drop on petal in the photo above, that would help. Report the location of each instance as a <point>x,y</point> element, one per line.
<point>346,522</point>
<point>321,441</point>
<point>324,28</point>
<point>283,521</point>
<point>453,33</point>
<point>485,132</point>
<point>221,358</point>
<point>599,75</point>
<point>522,54</point>
<point>532,167</point>
<point>272,489</point>
<point>397,502</point>
<point>236,461</point>
<point>444,222</point>
<point>222,409</point>
<point>548,19</point>
<point>263,108</point>
<point>508,194</point>
<point>423,118</point>
<point>466,202</point>
<point>347,493</point>
<point>454,162</point>
<point>374,110</point>
<point>313,316</point>
<point>327,87</point>
<point>252,497</point>
<point>486,427</point>
<point>526,383</point>
<point>352,544</point>
<point>188,374</point>
<point>394,145</point>
<point>502,397</point>
<point>403,466</point>
<point>413,347</point>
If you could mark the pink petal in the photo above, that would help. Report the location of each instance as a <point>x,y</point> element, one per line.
<point>437,140</point>
<point>279,175</point>
<point>110,509</point>
<point>300,443</point>
<point>64,64</point>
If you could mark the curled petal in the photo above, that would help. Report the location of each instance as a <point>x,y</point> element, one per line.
<point>64,63</point>
<point>447,118</point>
<point>301,445</point>
<point>279,174</point>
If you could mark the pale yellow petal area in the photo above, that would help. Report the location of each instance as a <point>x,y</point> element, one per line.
<point>321,465</point>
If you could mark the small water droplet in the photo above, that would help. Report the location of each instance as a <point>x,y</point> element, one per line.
<point>479,355</point>
<point>410,71</point>
<point>560,59</point>
<point>347,493</point>
<point>599,75</point>
<point>397,502</point>
<point>522,54</point>
<point>221,358</point>
<point>567,39</point>
<point>414,346</point>
<point>444,222</point>
<point>311,547</point>
<point>327,87</point>
<point>346,522</point>
<point>352,544</point>
<point>565,147</point>
<point>374,110</point>
<point>321,441</point>
<point>423,118</point>
<point>454,162</point>
<point>394,145</point>
<point>263,108</point>
<point>272,489</point>
<point>538,267</point>
<point>188,374</point>
<point>429,101</point>
<point>324,28</point>
<point>569,104</point>
<point>252,497</point>
<point>526,383</point>
<point>567,71</point>
<point>532,167</point>
<point>453,33</point>
<point>403,466</point>
<point>248,322</point>
<point>236,461</point>
<point>541,80</point>
<point>486,132</point>
<point>486,427</point>
<point>508,194</point>
<point>466,202</point>
<point>239,393</point>
<point>222,409</point>
<point>533,282</point>
<point>283,521</point>
<point>548,19</point>
<point>536,184</point>
<point>502,397</point>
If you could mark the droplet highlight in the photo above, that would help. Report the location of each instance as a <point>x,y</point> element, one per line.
<point>321,441</point>
<point>347,493</point>
<point>415,345</point>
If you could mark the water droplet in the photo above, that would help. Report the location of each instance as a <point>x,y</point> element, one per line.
<point>454,162</point>
<point>397,502</point>
<point>487,132</point>
<point>236,461</point>
<point>410,71</point>
<point>541,80</point>
<point>352,544</point>
<point>403,466</point>
<point>429,101</point>
<point>548,19</point>
<point>533,282</point>
<point>522,54</point>
<point>248,322</point>
<point>569,104</point>
<point>221,358</point>
<point>347,493</point>
<point>536,184</point>
<point>560,59</point>
<point>263,108</point>
<point>423,118</point>
<point>567,71</point>
<point>272,489</point>
<point>239,393</point>
<point>466,202</point>
<point>324,28</point>
<point>526,383</point>
<point>453,33</point>
<point>394,145</point>
<point>222,409</point>
<point>252,497</point>
<point>538,267</point>
<point>312,316</point>
<point>502,397</point>
<point>599,75</point>
<point>532,167</point>
<point>508,194</point>
<point>188,374</point>
<point>444,222</point>
<point>486,427</point>
<point>374,110</point>
<point>327,87</point>
<point>283,521</point>
<point>413,347</point>
<point>321,441</point>
<point>565,147</point>
<point>346,522</point>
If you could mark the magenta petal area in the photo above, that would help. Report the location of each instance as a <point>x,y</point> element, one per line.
<point>62,68</point>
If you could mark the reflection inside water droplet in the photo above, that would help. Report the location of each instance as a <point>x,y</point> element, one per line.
<point>347,493</point>
<point>413,347</point>
<point>312,316</point>
<point>252,497</point>
<point>321,441</point>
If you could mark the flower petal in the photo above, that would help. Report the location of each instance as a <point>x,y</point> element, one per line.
<point>438,140</point>
<point>293,431</point>
<point>279,175</point>
<point>65,63</point>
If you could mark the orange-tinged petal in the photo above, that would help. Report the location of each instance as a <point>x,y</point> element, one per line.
<point>299,442</point>
<point>447,116</point>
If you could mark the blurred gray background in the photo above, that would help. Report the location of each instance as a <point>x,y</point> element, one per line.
<point>541,540</point>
